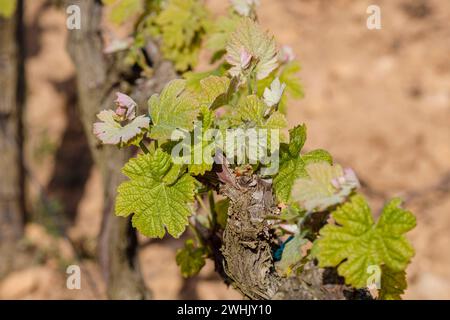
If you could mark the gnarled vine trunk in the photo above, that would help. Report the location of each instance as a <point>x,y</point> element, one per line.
<point>247,244</point>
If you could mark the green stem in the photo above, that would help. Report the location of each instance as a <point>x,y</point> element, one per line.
<point>197,235</point>
<point>252,83</point>
<point>202,204</point>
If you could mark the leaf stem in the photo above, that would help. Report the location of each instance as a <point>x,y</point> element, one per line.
<point>143,147</point>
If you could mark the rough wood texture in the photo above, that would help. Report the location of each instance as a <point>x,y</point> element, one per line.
<point>11,185</point>
<point>247,250</point>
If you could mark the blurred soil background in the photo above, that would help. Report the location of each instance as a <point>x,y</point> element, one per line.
<point>378,100</point>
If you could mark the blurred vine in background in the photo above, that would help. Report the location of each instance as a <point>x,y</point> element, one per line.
<point>7,8</point>
<point>317,213</point>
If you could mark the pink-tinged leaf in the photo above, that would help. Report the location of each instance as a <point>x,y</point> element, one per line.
<point>325,186</point>
<point>110,131</point>
<point>286,54</point>
<point>248,38</point>
<point>348,178</point>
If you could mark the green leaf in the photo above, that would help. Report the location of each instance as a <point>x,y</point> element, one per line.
<point>291,213</point>
<point>173,109</point>
<point>193,78</point>
<point>297,139</point>
<point>276,120</point>
<point>123,10</point>
<point>253,110</point>
<point>326,185</point>
<point>393,284</point>
<point>190,259</point>
<point>357,242</point>
<point>292,254</point>
<point>157,200</point>
<point>292,164</point>
<point>7,8</point>
<point>262,48</point>
<point>202,149</point>
<point>214,91</point>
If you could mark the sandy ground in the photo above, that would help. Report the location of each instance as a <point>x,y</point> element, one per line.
<point>378,100</point>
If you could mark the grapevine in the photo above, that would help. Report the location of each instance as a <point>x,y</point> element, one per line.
<point>189,172</point>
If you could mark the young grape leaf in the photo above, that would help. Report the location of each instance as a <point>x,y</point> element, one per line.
<point>126,107</point>
<point>273,94</point>
<point>249,37</point>
<point>220,33</point>
<point>325,186</point>
<point>292,164</point>
<point>203,147</point>
<point>297,139</point>
<point>215,91</point>
<point>244,7</point>
<point>173,109</point>
<point>222,212</point>
<point>292,254</point>
<point>190,259</point>
<point>110,131</point>
<point>288,75</point>
<point>393,284</point>
<point>123,10</point>
<point>157,200</point>
<point>7,8</point>
<point>356,242</point>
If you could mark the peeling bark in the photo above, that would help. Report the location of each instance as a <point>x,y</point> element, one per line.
<point>247,250</point>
